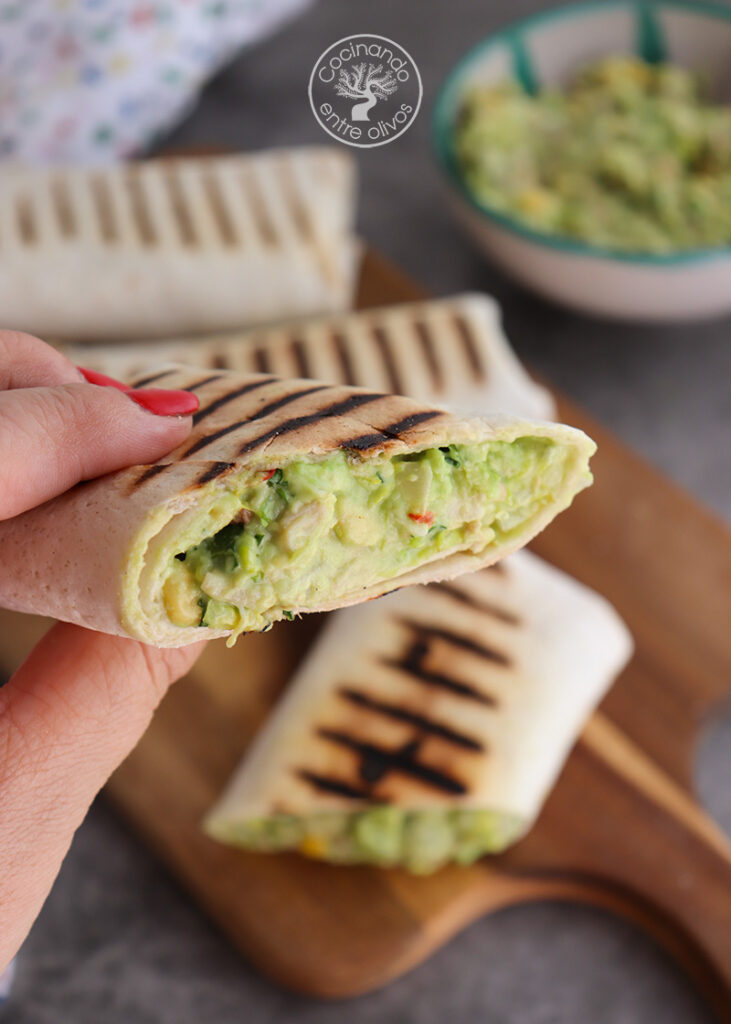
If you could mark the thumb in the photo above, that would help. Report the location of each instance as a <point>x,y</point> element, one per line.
<point>53,437</point>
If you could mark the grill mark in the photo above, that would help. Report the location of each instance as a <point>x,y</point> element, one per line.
<point>179,208</point>
<point>402,714</point>
<point>261,360</point>
<point>301,358</point>
<point>457,640</point>
<point>503,614</point>
<point>213,471</point>
<point>152,378</point>
<point>202,383</point>
<point>217,206</point>
<point>428,349</point>
<point>295,203</point>
<point>140,211</point>
<point>343,354</point>
<point>377,762</point>
<point>390,433</point>
<point>150,472</point>
<point>25,220</point>
<point>220,363</point>
<point>262,221</point>
<point>218,403</point>
<point>101,198</point>
<point>412,664</point>
<point>61,201</point>
<point>279,403</point>
<point>327,784</point>
<point>394,378</point>
<point>330,411</point>
<point>469,346</point>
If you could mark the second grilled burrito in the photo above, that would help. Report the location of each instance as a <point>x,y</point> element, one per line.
<point>289,496</point>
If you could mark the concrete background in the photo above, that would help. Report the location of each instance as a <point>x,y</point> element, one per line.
<point>118,942</point>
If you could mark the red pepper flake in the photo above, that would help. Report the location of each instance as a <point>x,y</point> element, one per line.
<point>268,474</point>
<point>422,517</point>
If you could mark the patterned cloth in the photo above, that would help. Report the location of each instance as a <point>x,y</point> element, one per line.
<point>98,80</point>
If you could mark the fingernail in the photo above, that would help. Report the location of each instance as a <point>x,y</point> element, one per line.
<point>94,377</point>
<point>165,403</point>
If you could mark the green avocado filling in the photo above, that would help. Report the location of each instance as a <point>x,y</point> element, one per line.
<point>419,841</point>
<point>629,157</point>
<point>306,533</point>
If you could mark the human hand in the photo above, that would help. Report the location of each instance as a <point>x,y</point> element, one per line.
<point>79,703</point>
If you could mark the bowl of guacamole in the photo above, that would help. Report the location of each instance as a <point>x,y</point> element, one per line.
<point>588,152</point>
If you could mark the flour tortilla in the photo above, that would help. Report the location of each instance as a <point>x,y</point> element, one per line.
<point>95,554</point>
<point>176,245</point>
<point>538,647</point>
<point>449,351</point>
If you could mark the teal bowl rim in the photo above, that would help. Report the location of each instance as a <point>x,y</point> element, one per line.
<point>442,132</point>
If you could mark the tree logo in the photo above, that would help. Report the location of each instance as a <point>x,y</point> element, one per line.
<point>365,90</point>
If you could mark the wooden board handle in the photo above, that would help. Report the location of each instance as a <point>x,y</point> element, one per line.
<point>668,868</point>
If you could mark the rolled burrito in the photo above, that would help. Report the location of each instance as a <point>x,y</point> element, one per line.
<point>450,351</point>
<point>429,726</point>
<point>176,245</point>
<point>289,496</point>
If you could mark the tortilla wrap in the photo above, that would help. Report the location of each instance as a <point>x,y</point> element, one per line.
<point>446,710</point>
<point>120,553</point>
<point>449,351</point>
<point>164,246</point>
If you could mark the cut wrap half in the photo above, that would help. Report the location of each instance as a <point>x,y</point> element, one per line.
<point>288,497</point>
<point>428,726</point>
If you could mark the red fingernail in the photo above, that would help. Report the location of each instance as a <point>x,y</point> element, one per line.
<point>94,377</point>
<point>165,403</point>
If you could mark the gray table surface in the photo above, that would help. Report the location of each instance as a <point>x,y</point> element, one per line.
<point>118,941</point>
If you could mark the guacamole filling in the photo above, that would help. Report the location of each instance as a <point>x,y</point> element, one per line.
<point>420,841</point>
<point>629,157</point>
<point>301,535</point>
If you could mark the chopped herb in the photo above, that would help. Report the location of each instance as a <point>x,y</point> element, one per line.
<point>379,474</point>
<point>450,455</point>
<point>275,477</point>
<point>258,537</point>
<point>437,528</point>
<point>288,616</point>
<point>180,556</point>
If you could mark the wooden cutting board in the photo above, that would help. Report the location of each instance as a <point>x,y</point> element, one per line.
<point>622,828</point>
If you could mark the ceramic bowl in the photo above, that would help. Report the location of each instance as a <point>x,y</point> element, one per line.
<point>544,50</point>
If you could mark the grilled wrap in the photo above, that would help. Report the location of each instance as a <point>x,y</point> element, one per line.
<point>428,726</point>
<point>288,496</point>
<point>176,245</point>
<point>449,351</point>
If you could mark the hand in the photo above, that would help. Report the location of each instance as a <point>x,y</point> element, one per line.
<point>79,703</point>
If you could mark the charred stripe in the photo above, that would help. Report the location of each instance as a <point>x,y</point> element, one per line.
<point>150,472</point>
<point>202,383</point>
<point>279,403</point>
<point>469,346</point>
<point>261,360</point>
<point>344,358</point>
<point>412,665</point>
<point>301,358</point>
<point>219,402</point>
<point>220,362</point>
<point>327,784</point>
<point>143,383</point>
<point>503,614</point>
<point>402,714</point>
<point>216,469</point>
<point>390,433</point>
<point>458,640</point>
<point>395,383</point>
<point>377,762</point>
<point>429,352</point>
<point>341,408</point>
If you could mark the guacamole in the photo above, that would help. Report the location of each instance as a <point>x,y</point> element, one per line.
<point>419,841</point>
<point>297,533</point>
<point>629,157</point>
